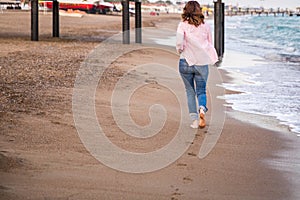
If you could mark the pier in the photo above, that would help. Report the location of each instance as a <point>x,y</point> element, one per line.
<point>232,11</point>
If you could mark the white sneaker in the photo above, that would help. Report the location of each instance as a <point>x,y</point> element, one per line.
<point>195,124</point>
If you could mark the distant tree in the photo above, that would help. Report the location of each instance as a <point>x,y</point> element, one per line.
<point>143,1</point>
<point>160,2</point>
<point>111,0</point>
<point>169,2</point>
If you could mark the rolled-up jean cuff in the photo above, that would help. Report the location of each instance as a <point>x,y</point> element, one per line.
<point>203,108</point>
<point>194,116</point>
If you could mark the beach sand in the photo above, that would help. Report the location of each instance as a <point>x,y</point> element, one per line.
<point>42,156</point>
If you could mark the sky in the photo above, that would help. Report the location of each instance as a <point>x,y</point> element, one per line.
<point>258,3</point>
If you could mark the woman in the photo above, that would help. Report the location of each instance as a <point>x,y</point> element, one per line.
<point>194,43</point>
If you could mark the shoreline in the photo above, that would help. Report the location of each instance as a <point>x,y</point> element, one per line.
<point>285,160</point>
<point>43,157</point>
<point>233,77</point>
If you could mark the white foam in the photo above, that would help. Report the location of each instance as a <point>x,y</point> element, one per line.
<point>269,90</point>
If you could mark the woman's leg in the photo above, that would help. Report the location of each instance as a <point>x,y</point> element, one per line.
<point>201,76</point>
<point>187,75</point>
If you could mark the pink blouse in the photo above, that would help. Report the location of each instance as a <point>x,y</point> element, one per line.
<point>195,44</point>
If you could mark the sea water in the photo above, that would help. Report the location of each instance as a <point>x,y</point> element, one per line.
<point>271,87</point>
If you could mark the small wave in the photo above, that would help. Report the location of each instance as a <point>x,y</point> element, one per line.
<point>290,49</point>
<point>290,58</point>
<point>282,57</point>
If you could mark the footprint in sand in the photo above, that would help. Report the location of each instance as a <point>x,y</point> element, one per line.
<point>187,180</point>
<point>192,154</point>
<point>181,165</point>
<point>176,194</point>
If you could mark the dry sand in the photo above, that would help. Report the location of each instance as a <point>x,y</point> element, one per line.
<point>42,156</point>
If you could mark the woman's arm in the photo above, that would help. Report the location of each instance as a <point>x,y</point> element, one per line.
<point>209,35</point>
<point>180,38</point>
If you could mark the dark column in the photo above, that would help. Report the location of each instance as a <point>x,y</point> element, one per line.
<point>138,22</point>
<point>223,28</point>
<point>219,27</point>
<point>126,22</point>
<point>55,18</point>
<point>34,20</point>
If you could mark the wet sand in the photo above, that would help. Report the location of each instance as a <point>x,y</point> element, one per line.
<point>42,156</point>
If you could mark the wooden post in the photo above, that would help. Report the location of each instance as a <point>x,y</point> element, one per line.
<point>34,20</point>
<point>219,28</point>
<point>55,18</point>
<point>126,22</point>
<point>223,28</point>
<point>138,22</point>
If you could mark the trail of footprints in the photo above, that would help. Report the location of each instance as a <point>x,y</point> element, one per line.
<point>186,180</point>
<point>176,194</point>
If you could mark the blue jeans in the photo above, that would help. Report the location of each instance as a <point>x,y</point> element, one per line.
<point>194,76</point>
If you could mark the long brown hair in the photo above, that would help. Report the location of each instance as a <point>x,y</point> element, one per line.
<point>192,13</point>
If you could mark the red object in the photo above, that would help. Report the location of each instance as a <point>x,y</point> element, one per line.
<point>87,6</point>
